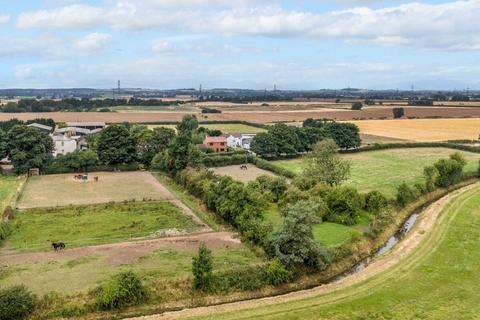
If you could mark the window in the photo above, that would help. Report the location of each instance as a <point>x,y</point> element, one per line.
<point>211,144</point>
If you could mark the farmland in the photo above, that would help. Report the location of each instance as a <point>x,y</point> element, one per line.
<point>384,170</point>
<point>64,190</point>
<point>8,188</point>
<point>224,127</point>
<point>241,175</point>
<point>435,281</point>
<point>98,224</point>
<point>422,129</point>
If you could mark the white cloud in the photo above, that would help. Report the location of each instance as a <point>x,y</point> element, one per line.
<point>451,25</point>
<point>93,42</point>
<point>4,18</point>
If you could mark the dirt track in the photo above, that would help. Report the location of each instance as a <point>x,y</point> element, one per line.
<point>405,247</point>
<point>125,252</point>
<point>258,117</point>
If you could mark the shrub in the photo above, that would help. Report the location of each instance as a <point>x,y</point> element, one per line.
<point>398,112</point>
<point>449,170</point>
<point>405,195</point>
<point>357,106</point>
<point>123,290</point>
<point>276,273</point>
<point>375,201</point>
<point>16,303</point>
<point>202,268</point>
<point>246,278</point>
<point>5,230</point>
<point>344,205</point>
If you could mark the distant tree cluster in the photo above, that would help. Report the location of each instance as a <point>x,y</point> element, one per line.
<point>79,105</point>
<point>281,139</point>
<point>420,102</point>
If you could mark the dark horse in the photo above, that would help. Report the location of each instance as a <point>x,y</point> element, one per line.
<point>243,167</point>
<point>58,245</point>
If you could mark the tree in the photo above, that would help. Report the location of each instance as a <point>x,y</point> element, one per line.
<point>78,160</point>
<point>449,170</point>
<point>375,202</point>
<point>189,123</point>
<point>28,148</point>
<point>346,135</point>
<point>325,165</point>
<point>115,145</point>
<point>179,153</point>
<point>264,145</point>
<point>150,143</point>
<point>398,112</point>
<point>405,194</point>
<point>344,204</point>
<point>431,175</point>
<point>294,244</point>
<point>357,106</point>
<point>202,268</point>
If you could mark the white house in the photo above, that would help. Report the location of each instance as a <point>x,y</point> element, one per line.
<point>70,139</point>
<point>236,140</point>
<point>64,144</point>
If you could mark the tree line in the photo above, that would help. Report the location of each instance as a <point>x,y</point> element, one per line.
<point>79,105</point>
<point>283,140</point>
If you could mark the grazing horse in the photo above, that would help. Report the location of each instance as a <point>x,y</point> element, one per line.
<point>58,245</point>
<point>95,179</point>
<point>243,167</point>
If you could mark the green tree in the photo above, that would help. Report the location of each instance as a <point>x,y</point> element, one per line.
<point>398,112</point>
<point>375,202</point>
<point>115,145</point>
<point>28,148</point>
<point>202,268</point>
<point>357,106</point>
<point>264,145</point>
<point>189,123</point>
<point>344,205</point>
<point>326,165</point>
<point>345,135</point>
<point>449,170</point>
<point>294,244</point>
<point>405,194</point>
<point>78,160</point>
<point>431,175</point>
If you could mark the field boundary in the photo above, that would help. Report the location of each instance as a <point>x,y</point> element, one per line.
<point>405,248</point>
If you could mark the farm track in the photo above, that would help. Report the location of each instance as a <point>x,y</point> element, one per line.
<point>125,252</point>
<point>257,117</point>
<point>401,251</point>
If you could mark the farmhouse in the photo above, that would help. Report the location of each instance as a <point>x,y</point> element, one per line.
<point>237,140</point>
<point>70,139</point>
<point>217,144</point>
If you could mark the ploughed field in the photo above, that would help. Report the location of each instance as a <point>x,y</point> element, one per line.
<point>384,170</point>
<point>438,280</point>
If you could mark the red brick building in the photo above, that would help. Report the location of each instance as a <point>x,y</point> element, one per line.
<point>217,144</point>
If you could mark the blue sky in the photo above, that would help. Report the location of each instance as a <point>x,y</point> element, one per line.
<point>309,44</point>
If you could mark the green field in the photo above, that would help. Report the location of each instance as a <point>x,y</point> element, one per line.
<point>329,234</point>
<point>8,188</point>
<point>71,276</point>
<point>439,280</point>
<point>384,170</point>
<point>90,225</point>
<point>224,127</point>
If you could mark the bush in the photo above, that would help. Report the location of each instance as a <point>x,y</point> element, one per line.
<point>344,205</point>
<point>405,195</point>
<point>276,273</point>
<point>202,267</point>
<point>398,112</point>
<point>123,290</point>
<point>16,303</point>
<point>375,201</point>
<point>5,230</point>
<point>8,213</point>
<point>243,279</point>
<point>357,106</point>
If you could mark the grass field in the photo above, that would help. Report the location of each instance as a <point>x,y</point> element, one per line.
<point>224,127</point>
<point>97,224</point>
<point>329,234</point>
<point>422,129</point>
<point>384,170</point>
<point>8,188</point>
<point>439,280</point>
<point>74,275</point>
<point>241,175</point>
<point>63,190</point>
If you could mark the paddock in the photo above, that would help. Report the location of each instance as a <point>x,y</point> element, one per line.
<point>65,189</point>
<point>243,175</point>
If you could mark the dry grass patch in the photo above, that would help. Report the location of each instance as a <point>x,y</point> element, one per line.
<point>241,175</point>
<point>422,129</point>
<point>63,189</point>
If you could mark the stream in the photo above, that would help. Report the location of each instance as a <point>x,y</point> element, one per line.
<point>391,242</point>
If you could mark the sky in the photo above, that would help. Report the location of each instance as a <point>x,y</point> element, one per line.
<point>310,44</point>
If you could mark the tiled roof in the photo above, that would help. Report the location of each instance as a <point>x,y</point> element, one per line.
<point>215,139</point>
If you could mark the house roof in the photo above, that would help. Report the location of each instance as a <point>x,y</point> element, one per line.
<point>40,126</point>
<point>74,129</point>
<point>214,139</point>
<point>86,124</point>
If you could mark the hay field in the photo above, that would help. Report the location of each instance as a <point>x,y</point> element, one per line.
<point>63,190</point>
<point>422,129</point>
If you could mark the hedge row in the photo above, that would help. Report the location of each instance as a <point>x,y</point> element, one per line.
<point>385,146</point>
<point>121,167</point>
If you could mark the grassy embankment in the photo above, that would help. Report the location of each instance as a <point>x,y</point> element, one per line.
<point>436,281</point>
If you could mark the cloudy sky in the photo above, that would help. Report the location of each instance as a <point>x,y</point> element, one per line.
<point>307,44</point>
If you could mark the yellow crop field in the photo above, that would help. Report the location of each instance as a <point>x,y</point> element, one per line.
<point>422,129</point>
